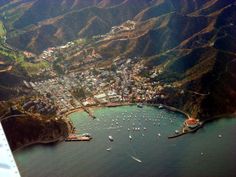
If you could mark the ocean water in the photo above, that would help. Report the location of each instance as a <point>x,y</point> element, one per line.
<point>149,154</point>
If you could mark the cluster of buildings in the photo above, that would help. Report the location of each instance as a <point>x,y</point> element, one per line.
<point>43,107</point>
<point>116,84</point>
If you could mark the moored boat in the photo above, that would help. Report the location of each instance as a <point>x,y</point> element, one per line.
<point>110,138</point>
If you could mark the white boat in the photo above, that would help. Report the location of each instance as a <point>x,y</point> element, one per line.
<point>176,131</point>
<point>130,137</point>
<point>219,136</point>
<point>109,149</point>
<point>160,106</point>
<point>110,138</point>
<point>159,134</point>
<point>136,159</point>
<point>144,128</point>
<point>128,129</point>
<point>139,105</point>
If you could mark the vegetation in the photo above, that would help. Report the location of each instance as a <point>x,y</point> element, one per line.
<point>34,68</point>
<point>2,30</point>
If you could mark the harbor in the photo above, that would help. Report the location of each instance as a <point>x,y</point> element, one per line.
<point>149,148</point>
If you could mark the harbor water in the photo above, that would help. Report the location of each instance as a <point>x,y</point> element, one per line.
<point>140,147</point>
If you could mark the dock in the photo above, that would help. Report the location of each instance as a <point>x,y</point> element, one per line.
<point>89,112</point>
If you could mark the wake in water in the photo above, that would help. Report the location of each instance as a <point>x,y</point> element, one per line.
<point>136,159</point>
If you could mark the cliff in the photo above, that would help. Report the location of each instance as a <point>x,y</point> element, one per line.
<point>28,130</point>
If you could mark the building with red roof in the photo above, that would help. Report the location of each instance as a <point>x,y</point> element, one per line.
<point>191,123</point>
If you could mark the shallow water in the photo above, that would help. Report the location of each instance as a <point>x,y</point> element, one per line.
<point>202,154</point>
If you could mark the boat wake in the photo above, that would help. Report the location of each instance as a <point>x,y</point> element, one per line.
<point>112,128</point>
<point>136,159</point>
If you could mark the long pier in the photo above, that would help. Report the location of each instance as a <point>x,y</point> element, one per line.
<point>89,112</point>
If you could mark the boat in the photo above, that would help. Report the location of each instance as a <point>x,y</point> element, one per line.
<point>130,137</point>
<point>159,134</point>
<point>140,105</point>
<point>110,138</point>
<point>86,135</point>
<point>109,149</point>
<point>160,106</point>
<point>219,136</point>
<point>144,128</point>
<point>128,129</point>
<point>136,159</point>
<point>176,131</point>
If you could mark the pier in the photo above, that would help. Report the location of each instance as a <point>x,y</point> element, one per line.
<point>89,112</point>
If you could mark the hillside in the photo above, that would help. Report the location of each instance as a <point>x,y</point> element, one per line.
<point>188,46</point>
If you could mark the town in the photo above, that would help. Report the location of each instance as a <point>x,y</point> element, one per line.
<point>99,86</point>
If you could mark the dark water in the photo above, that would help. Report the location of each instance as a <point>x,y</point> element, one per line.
<point>197,155</point>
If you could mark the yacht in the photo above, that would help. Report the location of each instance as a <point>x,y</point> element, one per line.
<point>130,137</point>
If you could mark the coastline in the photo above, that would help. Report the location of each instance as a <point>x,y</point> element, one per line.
<point>59,139</point>
<point>96,107</point>
<point>72,130</point>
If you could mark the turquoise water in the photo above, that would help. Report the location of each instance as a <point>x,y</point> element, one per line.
<point>195,155</point>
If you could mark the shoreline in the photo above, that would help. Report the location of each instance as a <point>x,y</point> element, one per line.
<point>66,115</point>
<point>96,107</point>
<point>42,142</point>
